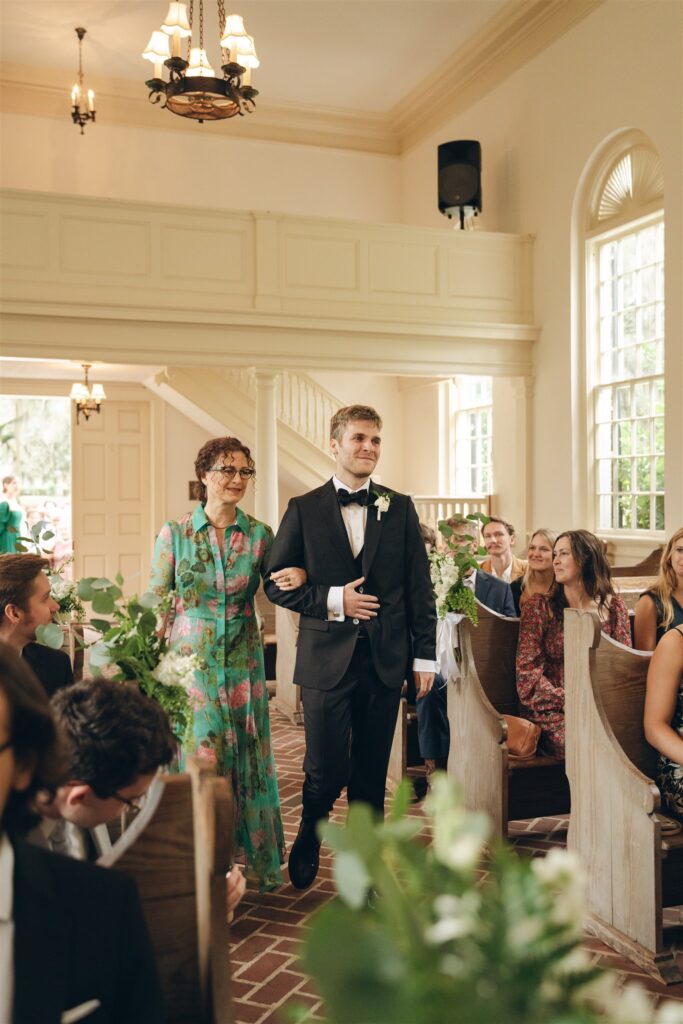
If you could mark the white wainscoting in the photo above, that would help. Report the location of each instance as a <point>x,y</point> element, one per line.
<point>233,277</point>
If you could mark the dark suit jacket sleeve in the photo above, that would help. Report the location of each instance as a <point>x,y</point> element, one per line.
<point>509,603</point>
<point>419,594</point>
<point>138,994</point>
<point>288,550</point>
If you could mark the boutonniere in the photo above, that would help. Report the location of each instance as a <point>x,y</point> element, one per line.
<point>382,503</point>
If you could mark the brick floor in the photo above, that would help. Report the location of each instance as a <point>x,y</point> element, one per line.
<point>265,933</point>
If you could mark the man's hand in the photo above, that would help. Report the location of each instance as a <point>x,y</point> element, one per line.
<point>289,579</point>
<point>423,683</point>
<point>358,605</point>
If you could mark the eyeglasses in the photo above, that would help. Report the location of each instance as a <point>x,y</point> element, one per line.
<point>229,472</point>
<point>5,746</point>
<point>134,804</point>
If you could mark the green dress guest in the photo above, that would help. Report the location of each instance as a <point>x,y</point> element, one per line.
<point>11,515</point>
<point>212,558</point>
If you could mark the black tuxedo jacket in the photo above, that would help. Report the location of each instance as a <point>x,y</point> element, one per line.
<point>494,593</point>
<point>53,668</point>
<point>79,934</point>
<point>312,536</point>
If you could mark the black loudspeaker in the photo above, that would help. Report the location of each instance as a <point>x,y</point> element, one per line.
<point>459,177</point>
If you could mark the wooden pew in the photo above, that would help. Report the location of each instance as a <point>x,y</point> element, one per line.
<point>178,851</point>
<point>631,587</point>
<point>479,759</point>
<point>632,871</point>
<point>648,567</point>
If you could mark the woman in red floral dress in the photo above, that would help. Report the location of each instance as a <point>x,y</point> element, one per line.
<point>582,580</point>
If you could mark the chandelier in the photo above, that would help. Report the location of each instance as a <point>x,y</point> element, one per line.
<point>87,397</point>
<point>78,94</point>
<point>193,88</point>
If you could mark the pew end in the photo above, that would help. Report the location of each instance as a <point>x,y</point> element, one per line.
<point>631,872</point>
<point>486,690</point>
<point>178,850</point>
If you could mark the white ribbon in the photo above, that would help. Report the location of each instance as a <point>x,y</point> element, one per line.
<point>447,642</point>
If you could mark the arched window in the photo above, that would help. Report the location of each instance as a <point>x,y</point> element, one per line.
<point>625,341</point>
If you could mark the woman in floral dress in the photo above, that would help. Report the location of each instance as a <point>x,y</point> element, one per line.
<point>212,558</point>
<point>582,580</point>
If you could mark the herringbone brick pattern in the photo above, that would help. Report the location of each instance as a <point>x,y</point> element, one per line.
<point>265,968</point>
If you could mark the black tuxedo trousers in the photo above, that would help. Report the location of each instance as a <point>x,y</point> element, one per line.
<point>351,672</point>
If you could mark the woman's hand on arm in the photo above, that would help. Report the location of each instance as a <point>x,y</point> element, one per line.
<point>645,624</point>
<point>663,682</point>
<point>289,579</point>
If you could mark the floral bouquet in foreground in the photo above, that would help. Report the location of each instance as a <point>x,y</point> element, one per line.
<point>420,935</point>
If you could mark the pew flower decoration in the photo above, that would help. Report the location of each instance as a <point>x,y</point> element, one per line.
<point>65,593</point>
<point>415,934</point>
<point>448,570</point>
<point>133,648</point>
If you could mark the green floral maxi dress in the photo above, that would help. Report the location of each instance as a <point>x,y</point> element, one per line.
<point>215,619</point>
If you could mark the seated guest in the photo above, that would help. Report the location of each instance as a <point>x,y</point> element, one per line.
<point>661,608</point>
<point>583,580</point>
<point>538,577</point>
<point>432,719</point>
<point>73,936</point>
<point>499,538</point>
<point>25,604</point>
<point>664,716</point>
<point>115,740</point>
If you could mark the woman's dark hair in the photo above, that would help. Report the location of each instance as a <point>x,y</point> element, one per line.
<point>113,734</point>
<point>588,551</point>
<point>212,450</point>
<point>35,740</point>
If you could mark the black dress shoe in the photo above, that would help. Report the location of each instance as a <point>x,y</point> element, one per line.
<point>304,857</point>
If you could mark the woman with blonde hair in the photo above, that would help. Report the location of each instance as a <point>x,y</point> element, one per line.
<point>661,607</point>
<point>538,577</point>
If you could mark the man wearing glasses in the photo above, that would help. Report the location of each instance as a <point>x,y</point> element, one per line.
<point>116,739</point>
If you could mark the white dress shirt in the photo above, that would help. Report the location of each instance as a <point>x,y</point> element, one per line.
<point>505,575</point>
<point>355,517</point>
<point>6,928</point>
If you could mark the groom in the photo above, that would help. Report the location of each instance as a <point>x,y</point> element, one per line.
<point>367,614</point>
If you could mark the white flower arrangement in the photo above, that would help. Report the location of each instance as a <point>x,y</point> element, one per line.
<point>382,504</point>
<point>176,669</point>
<point>445,575</point>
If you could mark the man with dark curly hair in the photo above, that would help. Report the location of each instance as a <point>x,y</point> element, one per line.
<point>115,739</point>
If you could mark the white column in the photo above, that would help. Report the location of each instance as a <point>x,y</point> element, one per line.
<point>266,495</point>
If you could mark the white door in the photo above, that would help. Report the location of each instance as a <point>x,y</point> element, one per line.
<point>111,494</point>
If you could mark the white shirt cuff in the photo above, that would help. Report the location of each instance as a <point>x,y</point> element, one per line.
<point>425,665</point>
<point>335,604</point>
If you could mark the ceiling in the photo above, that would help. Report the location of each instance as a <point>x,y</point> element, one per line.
<point>69,370</point>
<point>364,55</point>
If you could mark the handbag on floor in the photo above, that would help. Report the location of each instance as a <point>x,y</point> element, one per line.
<point>523,736</point>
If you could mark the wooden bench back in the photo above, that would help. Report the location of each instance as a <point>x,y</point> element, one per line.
<point>618,677</point>
<point>648,567</point>
<point>178,851</point>
<point>494,649</point>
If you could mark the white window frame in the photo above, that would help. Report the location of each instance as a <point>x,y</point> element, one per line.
<point>459,429</point>
<point>594,240</point>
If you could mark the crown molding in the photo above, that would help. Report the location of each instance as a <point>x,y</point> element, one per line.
<point>516,34</point>
<point>513,37</point>
<point>43,92</point>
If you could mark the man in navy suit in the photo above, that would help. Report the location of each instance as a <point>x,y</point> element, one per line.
<point>26,602</point>
<point>368,621</point>
<point>433,733</point>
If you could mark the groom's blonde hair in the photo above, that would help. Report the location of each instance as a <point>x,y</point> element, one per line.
<point>348,414</point>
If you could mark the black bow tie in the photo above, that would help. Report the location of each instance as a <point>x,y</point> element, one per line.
<point>358,497</point>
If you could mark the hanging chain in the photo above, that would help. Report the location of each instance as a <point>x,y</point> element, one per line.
<point>190,19</point>
<point>221,30</point>
<point>80,62</point>
<point>201,24</point>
